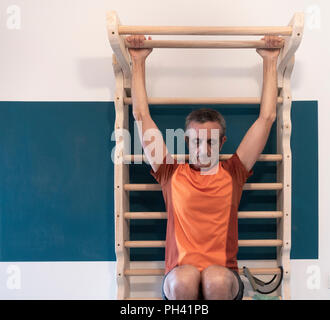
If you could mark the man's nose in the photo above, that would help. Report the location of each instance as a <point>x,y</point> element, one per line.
<point>202,148</point>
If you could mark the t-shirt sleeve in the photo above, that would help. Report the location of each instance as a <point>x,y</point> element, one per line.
<point>165,170</point>
<point>237,169</point>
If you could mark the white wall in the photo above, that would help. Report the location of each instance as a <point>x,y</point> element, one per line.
<point>61,53</point>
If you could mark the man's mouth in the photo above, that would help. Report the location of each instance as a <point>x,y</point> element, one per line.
<point>203,160</point>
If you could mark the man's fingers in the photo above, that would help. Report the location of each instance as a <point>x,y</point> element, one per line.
<point>137,40</point>
<point>272,41</point>
<point>278,41</point>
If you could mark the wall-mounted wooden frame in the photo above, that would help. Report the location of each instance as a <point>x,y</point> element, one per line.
<point>292,35</point>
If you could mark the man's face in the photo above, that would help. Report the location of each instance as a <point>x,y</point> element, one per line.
<point>204,143</point>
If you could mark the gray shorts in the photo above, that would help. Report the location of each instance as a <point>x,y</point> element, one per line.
<point>239,295</point>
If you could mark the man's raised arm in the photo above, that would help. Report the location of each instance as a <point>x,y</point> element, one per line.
<point>256,137</point>
<point>146,126</point>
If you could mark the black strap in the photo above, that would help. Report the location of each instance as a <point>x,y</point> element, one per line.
<point>261,286</point>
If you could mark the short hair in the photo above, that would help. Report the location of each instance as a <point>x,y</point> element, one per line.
<point>206,114</point>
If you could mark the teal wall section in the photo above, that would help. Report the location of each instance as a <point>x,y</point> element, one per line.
<point>56,181</point>
<point>304,145</point>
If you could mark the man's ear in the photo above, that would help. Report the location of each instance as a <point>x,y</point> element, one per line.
<point>224,138</point>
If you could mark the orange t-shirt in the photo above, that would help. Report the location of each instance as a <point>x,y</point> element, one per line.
<point>202,224</point>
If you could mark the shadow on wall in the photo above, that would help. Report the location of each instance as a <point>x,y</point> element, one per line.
<point>98,73</point>
<point>206,71</point>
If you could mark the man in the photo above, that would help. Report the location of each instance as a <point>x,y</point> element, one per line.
<point>202,196</point>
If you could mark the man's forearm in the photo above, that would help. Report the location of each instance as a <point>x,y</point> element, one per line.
<point>269,90</point>
<point>139,93</point>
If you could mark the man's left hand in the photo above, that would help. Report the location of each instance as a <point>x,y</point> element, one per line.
<point>269,51</point>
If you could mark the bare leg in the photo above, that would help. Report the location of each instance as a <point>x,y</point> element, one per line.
<point>182,283</point>
<point>219,283</point>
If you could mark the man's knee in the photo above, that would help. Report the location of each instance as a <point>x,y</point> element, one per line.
<point>218,283</point>
<point>182,283</point>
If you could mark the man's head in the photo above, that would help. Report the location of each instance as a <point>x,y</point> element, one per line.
<point>205,131</point>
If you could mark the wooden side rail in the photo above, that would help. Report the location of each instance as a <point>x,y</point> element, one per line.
<point>241,243</point>
<point>205,30</point>
<point>241,215</point>
<point>157,187</point>
<point>161,272</point>
<point>179,101</point>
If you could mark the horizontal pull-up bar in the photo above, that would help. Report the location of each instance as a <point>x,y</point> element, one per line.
<point>241,215</point>
<point>161,272</point>
<point>223,156</point>
<point>206,44</point>
<point>194,30</point>
<point>228,100</point>
<point>241,243</point>
<point>157,187</point>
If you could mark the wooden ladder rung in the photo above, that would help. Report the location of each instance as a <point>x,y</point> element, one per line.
<point>161,272</point>
<point>241,243</point>
<point>139,157</point>
<point>241,215</point>
<point>206,30</point>
<point>157,187</point>
<point>207,44</point>
<point>203,100</point>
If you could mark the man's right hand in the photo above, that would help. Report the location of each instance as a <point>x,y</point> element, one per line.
<point>138,54</point>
